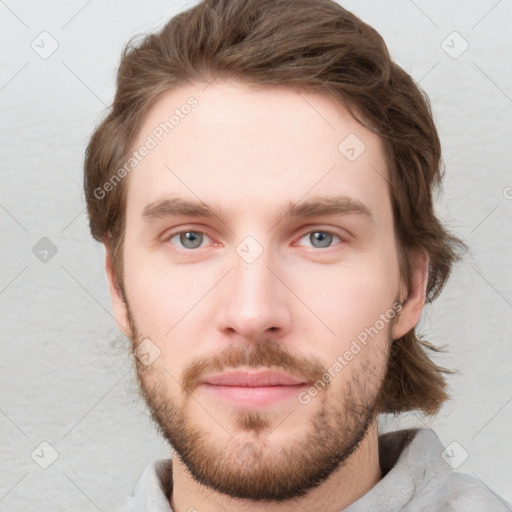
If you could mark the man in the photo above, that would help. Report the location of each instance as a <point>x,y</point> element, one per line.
<point>263,187</point>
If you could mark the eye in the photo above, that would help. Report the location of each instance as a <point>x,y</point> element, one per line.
<point>320,239</point>
<point>188,239</point>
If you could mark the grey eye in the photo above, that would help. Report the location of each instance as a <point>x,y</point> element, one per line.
<point>190,239</point>
<point>320,239</point>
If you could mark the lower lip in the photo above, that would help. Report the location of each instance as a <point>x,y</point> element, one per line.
<point>250,397</point>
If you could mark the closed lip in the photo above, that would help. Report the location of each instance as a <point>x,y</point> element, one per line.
<point>255,378</point>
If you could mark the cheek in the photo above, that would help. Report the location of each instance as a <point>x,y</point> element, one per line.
<point>349,299</point>
<point>168,309</point>
<point>157,296</point>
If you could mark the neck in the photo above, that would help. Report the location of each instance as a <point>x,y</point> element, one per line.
<point>343,487</point>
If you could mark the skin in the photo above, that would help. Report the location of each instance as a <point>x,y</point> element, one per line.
<point>251,150</point>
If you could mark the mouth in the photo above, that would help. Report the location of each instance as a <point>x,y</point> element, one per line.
<point>252,388</point>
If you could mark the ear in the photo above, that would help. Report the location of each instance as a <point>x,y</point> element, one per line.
<point>118,303</point>
<point>413,299</point>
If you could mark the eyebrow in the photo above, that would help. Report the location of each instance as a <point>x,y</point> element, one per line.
<point>340,205</point>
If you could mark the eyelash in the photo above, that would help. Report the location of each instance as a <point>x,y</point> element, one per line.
<point>170,236</point>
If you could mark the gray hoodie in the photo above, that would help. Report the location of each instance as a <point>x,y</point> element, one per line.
<point>415,479</point>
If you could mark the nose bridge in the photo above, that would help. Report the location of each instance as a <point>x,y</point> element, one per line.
<point>253,298</point>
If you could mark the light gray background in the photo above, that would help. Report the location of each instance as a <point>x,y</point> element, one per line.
<point>65,375</point>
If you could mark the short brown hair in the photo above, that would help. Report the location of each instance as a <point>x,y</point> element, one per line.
<point>310,45</point>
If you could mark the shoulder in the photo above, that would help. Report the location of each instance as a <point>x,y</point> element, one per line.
<point>418,478</point>
<point>152,490</point>
<point>454,492</point>
<point>469,493</point>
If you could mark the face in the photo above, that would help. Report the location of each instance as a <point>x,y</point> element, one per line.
<point>261,283</point>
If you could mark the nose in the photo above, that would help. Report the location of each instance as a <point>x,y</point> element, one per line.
<point>253,302</point>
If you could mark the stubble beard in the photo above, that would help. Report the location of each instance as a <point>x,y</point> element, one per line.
<point>246,464</point>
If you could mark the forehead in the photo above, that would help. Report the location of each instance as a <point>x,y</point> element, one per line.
<point>250,148</point>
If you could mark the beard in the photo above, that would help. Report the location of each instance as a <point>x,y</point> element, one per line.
<point>257,470</point>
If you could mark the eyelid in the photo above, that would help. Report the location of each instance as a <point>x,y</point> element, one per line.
<point>341,233</point>
<point>166,237</point>
<point>334,243</point>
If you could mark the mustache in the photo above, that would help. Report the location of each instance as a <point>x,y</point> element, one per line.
<point>269,354</point>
